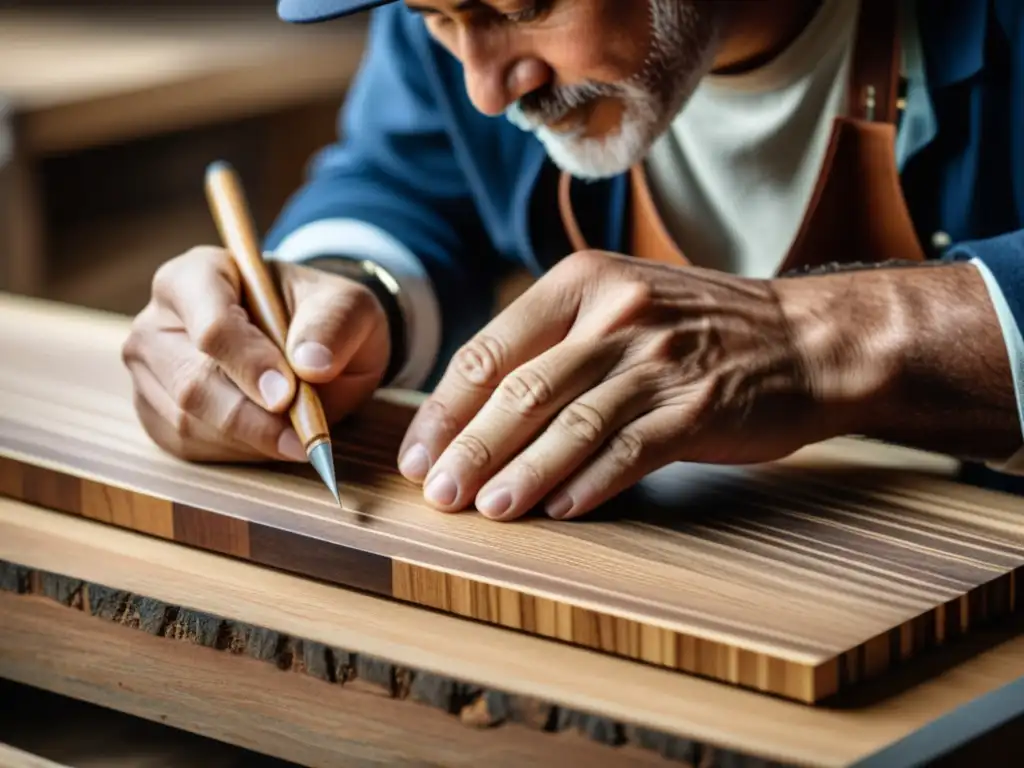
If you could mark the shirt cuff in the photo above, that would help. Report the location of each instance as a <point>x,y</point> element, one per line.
<point>1015,349</point>
<point>416,296</point>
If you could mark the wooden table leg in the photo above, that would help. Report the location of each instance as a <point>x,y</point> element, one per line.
<point>22,249</point>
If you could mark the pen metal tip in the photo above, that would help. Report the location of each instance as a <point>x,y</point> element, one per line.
<point>322,459</point>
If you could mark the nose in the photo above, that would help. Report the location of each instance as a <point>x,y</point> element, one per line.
<point>493,86</point>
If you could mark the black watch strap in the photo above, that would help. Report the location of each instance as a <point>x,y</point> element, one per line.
<point>385,288</point>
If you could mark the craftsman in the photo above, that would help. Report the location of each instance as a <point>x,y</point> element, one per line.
<point>683,177</point>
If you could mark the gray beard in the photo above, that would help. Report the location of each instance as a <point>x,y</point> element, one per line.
<point>684,40</point>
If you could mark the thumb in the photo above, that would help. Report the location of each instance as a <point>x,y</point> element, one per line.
<point>332,317</point>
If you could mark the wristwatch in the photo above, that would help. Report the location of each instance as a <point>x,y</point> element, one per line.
<point>384,287</point>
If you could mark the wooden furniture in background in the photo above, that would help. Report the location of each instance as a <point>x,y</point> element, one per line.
<point>76,81</point>
<point>799,579</point>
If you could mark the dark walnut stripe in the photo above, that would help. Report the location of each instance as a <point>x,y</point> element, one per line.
<point>200,528</point>
<point>475,707</point>
<point>321,560</point>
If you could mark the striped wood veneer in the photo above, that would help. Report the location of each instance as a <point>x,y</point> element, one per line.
<point>798,578</point>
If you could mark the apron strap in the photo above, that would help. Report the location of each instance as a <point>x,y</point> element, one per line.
<point>875,64</point>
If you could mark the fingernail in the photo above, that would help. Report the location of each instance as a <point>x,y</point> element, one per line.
<point>495,503</point>
<point>559,506</point>
<point>442,490</point>
<point>273,388</point>
<point>289,445</point>
<point>310,354</point>
<point>415,463</point>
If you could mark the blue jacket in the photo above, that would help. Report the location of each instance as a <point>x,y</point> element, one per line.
<point>473,196</point>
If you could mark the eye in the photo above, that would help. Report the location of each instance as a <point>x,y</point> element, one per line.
<point>533,12</point>
<point>523,16</point>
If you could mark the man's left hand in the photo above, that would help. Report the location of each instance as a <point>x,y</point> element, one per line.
<point>608,368</point>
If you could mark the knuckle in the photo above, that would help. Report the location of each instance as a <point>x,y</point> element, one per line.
<point>181,425</point>
<point>130,347</point>
<point>203,253</point>
<point>582,422</point>
<point>231,422</point>
<point>526,469</point>
<point>626,449</point>
<point>632,300</point>
<point>164,276</point>
<point>169,274</point>
<point>190,387</point>
<point>433,416</point>
<point>157,430</point>
<point>480,360</point>
<point>583,262</point>
<point>221,334</point>
<point>134,345</point>
<point>474,449</point>
<point>524,392</point>
<point>635,294</point>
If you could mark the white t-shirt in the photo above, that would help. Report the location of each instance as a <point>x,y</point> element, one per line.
<point>734,174</point>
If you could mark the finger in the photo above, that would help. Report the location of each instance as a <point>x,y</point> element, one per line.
<point>540,318</point>
<point>176,431</point>
<point>332,319</point>
<point>189,437</point>
<point>346,393</point>
<point>186,444</point>
<point>631,454</point>
<point>203,289</point>
<point>522,404</point>
<point>577,433</point>
<point>191,384</point>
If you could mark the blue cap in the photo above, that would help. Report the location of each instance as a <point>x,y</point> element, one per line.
<point>309,11</point>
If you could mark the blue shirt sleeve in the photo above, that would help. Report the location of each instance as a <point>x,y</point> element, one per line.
<point>393,167</point>
<point>1001,261</point>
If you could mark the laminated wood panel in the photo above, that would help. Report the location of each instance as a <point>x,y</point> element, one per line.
<point>798,578</point>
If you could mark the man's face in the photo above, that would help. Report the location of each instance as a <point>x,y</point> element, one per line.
<point>598,81</point>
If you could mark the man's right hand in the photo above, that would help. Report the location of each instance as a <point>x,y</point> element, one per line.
<point>210,386</point>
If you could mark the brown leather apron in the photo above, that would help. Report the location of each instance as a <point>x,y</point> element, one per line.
<point>857,212</point>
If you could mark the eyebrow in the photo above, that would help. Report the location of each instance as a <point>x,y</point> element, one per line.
<point>464,5</point>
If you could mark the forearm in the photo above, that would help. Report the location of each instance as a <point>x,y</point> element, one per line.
<point>913,355</point>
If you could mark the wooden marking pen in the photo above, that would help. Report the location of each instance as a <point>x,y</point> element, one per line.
<point>234,221</point>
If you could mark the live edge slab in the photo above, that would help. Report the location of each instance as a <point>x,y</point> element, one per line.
<point>798,579</point>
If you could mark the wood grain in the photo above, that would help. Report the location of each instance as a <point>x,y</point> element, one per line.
<point>799,578</point>
<point>962,694</point>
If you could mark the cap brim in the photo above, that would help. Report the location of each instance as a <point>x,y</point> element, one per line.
<point>310,11</point>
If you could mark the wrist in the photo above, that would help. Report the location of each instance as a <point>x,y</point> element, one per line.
<point>912,356</point>
<point>849,332</point>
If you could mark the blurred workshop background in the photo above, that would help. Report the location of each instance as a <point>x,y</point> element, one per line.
<point>110,111</point>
